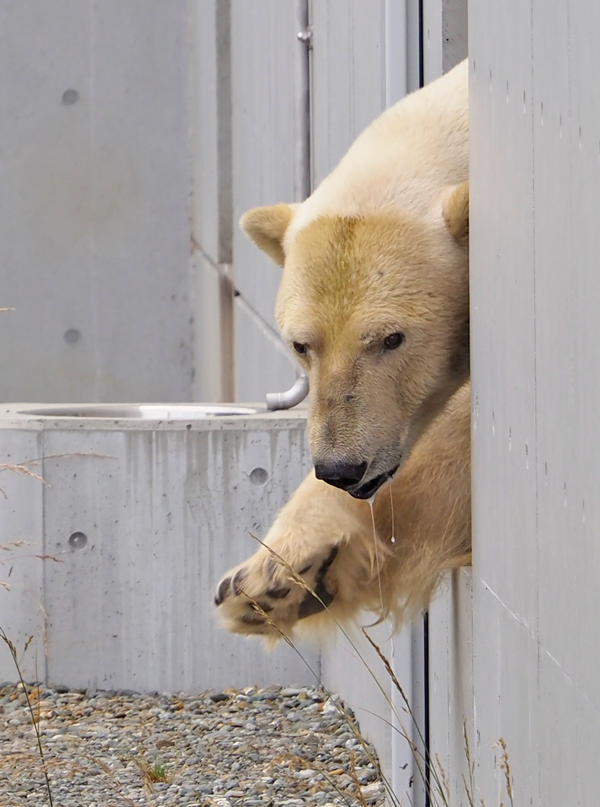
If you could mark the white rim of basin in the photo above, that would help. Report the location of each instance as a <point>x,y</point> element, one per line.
<point>141,412</point>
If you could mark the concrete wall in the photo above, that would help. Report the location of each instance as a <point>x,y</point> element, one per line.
<point>133,139</point>
<point>536,248</point>
<point>522,657</point>
<point>164,511</point>
<point>173,303</point>
<point>94,208</point>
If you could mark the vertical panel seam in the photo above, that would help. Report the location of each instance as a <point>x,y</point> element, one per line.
<point>224,130</point>
<point>45,553</point>
<point>535,391</point>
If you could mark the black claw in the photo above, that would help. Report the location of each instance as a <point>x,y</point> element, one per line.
<point>236,582</point>
<point>278,593</point>
<point>222,591</point>
<point>322,597</point>
<point>327,562</point>
<point>305,569</point>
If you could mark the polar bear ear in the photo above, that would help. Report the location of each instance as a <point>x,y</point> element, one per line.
<point>455,209</point>
<point>266,226</point>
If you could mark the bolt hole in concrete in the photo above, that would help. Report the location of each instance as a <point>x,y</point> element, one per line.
<point>259,477</point>
<point>78,540</point>
<point>70,97</point>
<point>71,336</point>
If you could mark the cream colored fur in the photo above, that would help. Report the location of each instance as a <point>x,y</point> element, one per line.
<point>403,160</point>
<point>431,507</point>
<point>381,247</point>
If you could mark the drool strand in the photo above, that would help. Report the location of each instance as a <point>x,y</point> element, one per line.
<point>371,501</point>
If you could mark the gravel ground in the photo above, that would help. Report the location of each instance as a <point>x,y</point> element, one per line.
<point>251,747</point>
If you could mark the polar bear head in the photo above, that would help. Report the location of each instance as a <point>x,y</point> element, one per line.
<point>376,309</point>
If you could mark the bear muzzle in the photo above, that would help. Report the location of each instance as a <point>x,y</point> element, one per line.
<point>350,477</point>
<point>342,475</point>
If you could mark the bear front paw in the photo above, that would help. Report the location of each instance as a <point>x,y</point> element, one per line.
<point>267,595</point>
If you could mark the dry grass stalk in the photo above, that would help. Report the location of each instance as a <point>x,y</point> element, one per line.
<point>21,468</point>
<point>354,777</point>
<point>295,762</point>
<point>15,657</point>
<point>504,765</point>
<point>259,610</point>
<point>113,781</point>
<point>443,777</point>
<point>469,787</point>
<point>423,763</point>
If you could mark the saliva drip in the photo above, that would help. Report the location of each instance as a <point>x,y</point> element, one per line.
<point>393,539</point>
<point>370,502</point>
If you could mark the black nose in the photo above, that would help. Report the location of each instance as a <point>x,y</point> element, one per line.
<point>341,474</point>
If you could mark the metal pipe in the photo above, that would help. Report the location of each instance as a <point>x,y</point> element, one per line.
<point>292,397</point>
<point>302,103</point>
<point>397,50</point>
<point>298,392</point>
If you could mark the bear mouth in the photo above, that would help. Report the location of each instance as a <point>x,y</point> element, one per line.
<point>370,488</point>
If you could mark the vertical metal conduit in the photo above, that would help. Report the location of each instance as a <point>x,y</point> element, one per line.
<point>302,94</point>
<point>302,173</point>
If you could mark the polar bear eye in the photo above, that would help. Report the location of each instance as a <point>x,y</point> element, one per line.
<point>300,348</point>
<point>393,341</point>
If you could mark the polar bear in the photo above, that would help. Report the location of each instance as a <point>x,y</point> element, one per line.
<point>374,301</point>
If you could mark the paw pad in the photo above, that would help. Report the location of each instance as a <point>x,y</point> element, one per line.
<point>314,603</point>
<point>264,587</point>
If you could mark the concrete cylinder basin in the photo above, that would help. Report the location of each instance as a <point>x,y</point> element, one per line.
<point>156,412</point>
<point>118,521</point>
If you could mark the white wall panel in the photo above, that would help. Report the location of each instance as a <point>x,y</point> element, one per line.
<point>503,341</point>
<point>535,249</point>
<point>212,304</point>
<point>263,38</point>
<point>505,585</point>
<point>445,36</point>
<point>94,208</point>
<point>354,669</point>
<point>210,117</point>
<point>451,686</point>
<point>348,81</point>
<point>263,362</point>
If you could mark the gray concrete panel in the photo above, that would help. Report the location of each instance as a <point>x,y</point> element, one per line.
<point>505,588</point>
<point>210,116</point>
<point>204,126</point>
<point>263,362</point>
<point>535,246</point>
<point>352,668</point>
<point>263,38</point>
<point>164,511</point>
<point>212,304</point>
<point>504,385</point>
<point>348,76</point>
<point>21,547</point>
<point>445,36</point>
<point>451,726</point>
<point>566,137</point>
<point>94,210</point>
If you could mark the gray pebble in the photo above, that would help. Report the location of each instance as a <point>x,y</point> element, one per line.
<point>225,749</point>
